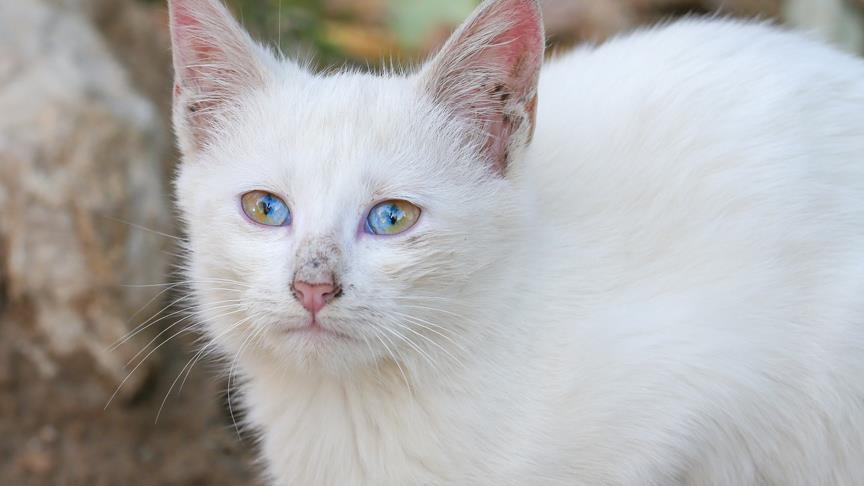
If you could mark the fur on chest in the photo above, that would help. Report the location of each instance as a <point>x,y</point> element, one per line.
<point>316,431</point>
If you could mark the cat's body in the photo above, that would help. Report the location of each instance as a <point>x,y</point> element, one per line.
<point>664,287</point>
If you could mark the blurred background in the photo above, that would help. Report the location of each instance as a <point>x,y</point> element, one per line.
<point>88,238</point>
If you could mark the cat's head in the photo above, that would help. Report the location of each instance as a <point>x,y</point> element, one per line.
<point>340,220</point>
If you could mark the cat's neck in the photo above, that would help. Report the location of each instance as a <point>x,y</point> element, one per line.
<point>401,418</point>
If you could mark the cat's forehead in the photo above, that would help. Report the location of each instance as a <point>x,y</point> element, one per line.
<point>346,106</point>
<point>324,132</point>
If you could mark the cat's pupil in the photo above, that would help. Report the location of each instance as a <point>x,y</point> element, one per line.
<point>394,214</point>
<point>266,206</point>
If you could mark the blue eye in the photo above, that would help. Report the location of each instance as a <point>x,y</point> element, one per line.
<point>266,208</point>
<point>392,217</point>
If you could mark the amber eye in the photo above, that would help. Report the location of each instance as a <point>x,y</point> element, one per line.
<point>266,208</point>
<point>392,217</point>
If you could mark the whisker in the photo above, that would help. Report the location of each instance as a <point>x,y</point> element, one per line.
<point>237,307</point>
<point>230,377</point>
<point>422,298</point>
<point>372,352</point>
<point>120,386</point>
<point>191,363</point>
<point>393,357</point>
<point>139,329</point>
<point>425,325</point>
<point>431,341</point>
<point>414,346</point>
<point>166,289</point>
<point>416,303</point>
<point>142,228</point>
<point>187,282</point>
<point>212,344</point>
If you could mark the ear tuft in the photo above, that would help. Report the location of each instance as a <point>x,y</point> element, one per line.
<point>215,61</point>
<point>487,72</point>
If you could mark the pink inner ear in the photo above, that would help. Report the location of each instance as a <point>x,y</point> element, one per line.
<point>185,15</point>
<point>188,29</point>
<point>491,73</point>
<point>214,62</point>
<point>516,46</point>
<point>518,49</point>
<point>182,17</point>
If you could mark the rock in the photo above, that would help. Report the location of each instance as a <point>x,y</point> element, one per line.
<point>35,462</point>
<point>80,151</point>
<point>137,34</point>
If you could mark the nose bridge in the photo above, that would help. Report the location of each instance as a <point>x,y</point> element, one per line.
<point>318,260</point>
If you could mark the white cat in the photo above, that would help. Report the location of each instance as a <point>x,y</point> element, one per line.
<point>659,282</point>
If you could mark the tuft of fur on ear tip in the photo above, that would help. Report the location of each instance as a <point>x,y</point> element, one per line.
<point>486,75</point>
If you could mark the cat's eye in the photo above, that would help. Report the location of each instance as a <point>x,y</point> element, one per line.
<point>265,208</point>
<point>392,217</point>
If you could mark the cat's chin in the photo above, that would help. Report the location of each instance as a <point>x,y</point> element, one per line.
<point>304,346</point>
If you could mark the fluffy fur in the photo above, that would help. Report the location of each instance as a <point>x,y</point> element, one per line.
<point>664,287</point>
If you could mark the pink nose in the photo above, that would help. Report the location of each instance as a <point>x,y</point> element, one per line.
<point>314,297</point>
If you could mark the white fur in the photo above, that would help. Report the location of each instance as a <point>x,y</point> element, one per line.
<point>665,288</point>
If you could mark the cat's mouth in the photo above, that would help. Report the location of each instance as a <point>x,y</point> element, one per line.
<point>315,329</point>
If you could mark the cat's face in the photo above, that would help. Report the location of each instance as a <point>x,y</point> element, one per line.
<point>426,155</point>
<point>331,151</point>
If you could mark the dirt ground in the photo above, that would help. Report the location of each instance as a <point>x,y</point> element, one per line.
<point>55,431</point>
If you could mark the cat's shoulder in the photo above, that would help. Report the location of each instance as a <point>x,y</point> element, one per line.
<point>710,40</point>
<point>690,58</point>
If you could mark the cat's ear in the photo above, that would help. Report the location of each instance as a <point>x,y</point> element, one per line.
<point>215,61</point>
<point>487,74</point>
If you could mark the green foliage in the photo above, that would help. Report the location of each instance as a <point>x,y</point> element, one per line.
<point>292,25</point>
<point>301,26</point>
<point>412,20</point>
